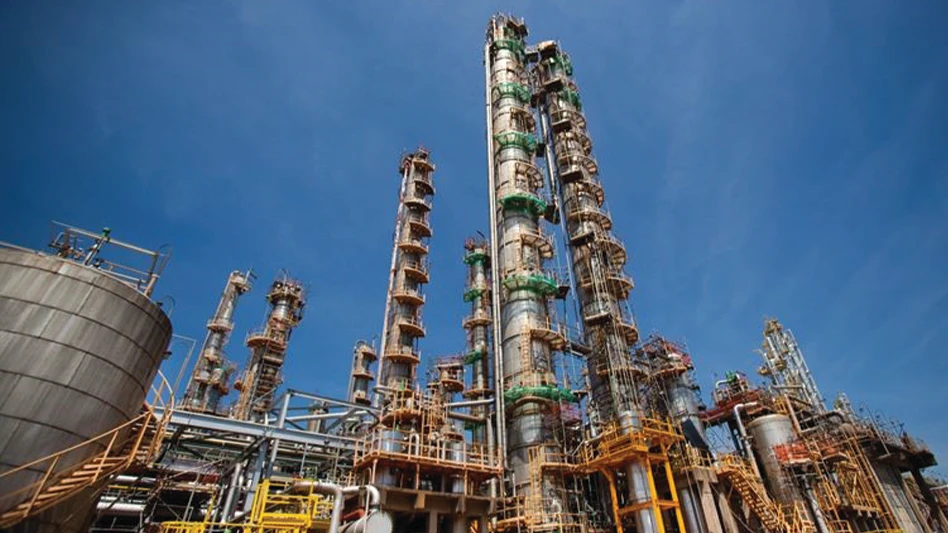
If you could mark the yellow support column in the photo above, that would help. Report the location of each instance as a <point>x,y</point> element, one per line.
<point>674,491</point>
<point>656,510</point>
<point>614,499</point>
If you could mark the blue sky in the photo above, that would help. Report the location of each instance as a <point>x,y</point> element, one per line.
<point>759,158</point>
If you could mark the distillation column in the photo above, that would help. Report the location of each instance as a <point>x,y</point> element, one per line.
<point>268,350</point>
<point>400,399</point>
<point>477,324</point>
<point>526,337</point>
<point>209,382</point>
<point>785,365</point>
<point>598,260</point>
<point>673,392</point>
<point>361,378</point>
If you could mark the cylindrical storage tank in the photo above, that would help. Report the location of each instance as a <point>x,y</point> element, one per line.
<point>765,433</point>
<point>78,353</point>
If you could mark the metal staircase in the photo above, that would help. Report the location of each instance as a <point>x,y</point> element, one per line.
<point>104,456</point>
<point>737,472</point>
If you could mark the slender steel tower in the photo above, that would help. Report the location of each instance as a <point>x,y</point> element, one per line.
<point>361,377</point>
<point>598,261</point>
<point>399,396</point>
<point>409,274</point>
<point>209,382</point>
<point>786,367</point>
<point>525,339</point>
<point>477,325</point>
<point>268,349</point>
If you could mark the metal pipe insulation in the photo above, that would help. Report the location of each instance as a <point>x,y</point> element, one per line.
<point>470,403</point>
<point>374,520</point>
<point>113,507</point>
<point>330,489</point>
<point>501,430</point>
<point>743,431</point>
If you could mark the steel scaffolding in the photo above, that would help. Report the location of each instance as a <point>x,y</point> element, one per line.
<point>210,380</point>
<point>263,373</point>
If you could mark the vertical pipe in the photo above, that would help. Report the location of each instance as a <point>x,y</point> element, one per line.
<point>228,509</point>
<point>253,485</point>
<point>280,422</point>
<point>500,415</point>
<point>689,509</point>
<point>743,432</point>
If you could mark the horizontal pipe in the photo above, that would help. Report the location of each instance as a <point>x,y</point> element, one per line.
<point>135,479</point>
<point>466,417</point>
<point>120,508</point>
<point>332,489</point>
<point>339,494</point>
<point>471,403</point>
<point>323,416</point>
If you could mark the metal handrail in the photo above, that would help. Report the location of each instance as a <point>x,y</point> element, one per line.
<point>414,242</point>
<point>127,455</point>
<point>436,453</point>
<point>421,199</point>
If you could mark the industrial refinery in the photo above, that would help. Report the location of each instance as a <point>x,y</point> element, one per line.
<point>558,416</point>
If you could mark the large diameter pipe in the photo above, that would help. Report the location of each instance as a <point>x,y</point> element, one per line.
<point>339,493</point>
<point>743,431</point>
<point>330,489</point>
<point>689,511</point>
<point>371,491</point>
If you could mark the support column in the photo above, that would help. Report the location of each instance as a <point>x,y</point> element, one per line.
<point>727,516</point>
<point>936,512</point>
<point>712,521</point>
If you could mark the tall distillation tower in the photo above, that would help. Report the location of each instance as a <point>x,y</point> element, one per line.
<point>400,399</point>
<point>209,382</point>
<point>477,325</point>
<point>598,261</point>
<point>268,349</point>
<point>524,337</point>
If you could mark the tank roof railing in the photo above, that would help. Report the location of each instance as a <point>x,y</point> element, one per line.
<point>83,246</point>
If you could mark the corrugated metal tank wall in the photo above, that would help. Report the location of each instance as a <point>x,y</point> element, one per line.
<point>78,352</point>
